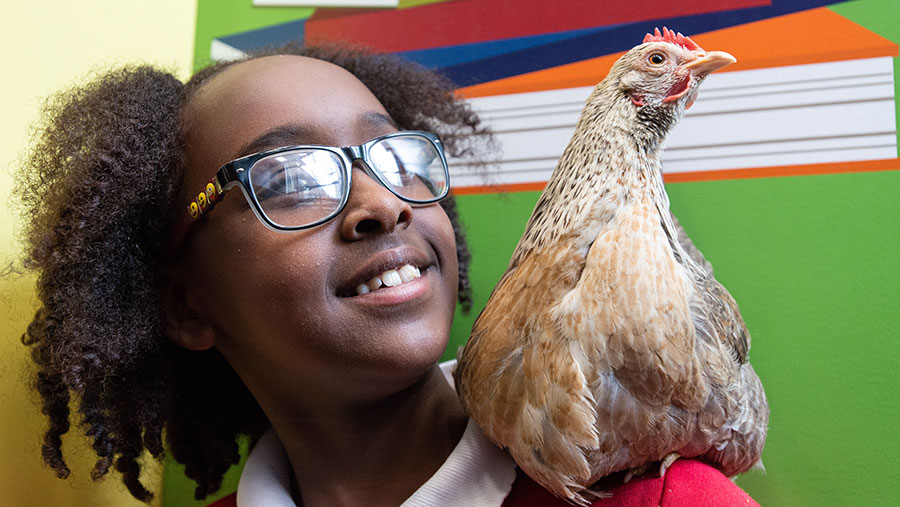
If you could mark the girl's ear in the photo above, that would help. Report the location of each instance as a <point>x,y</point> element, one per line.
<point>185,322</point>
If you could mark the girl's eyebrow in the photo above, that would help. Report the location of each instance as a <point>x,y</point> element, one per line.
<point>296,133</point>
<point>282,135</point>
<point>376,119</point>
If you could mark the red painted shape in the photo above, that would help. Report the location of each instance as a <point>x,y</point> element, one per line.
<point>469,21</point>
<point>340,12</point>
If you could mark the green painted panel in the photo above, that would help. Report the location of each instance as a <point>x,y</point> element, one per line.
<point>493,223</point>
<point>879,16</point>
<point>406,4</point>
<point>812,261</point>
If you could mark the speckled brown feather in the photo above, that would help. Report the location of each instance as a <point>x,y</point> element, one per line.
<point>536,397</point>
<point>608,343</point>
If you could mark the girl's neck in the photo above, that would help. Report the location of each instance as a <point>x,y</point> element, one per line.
<point>376,454</point>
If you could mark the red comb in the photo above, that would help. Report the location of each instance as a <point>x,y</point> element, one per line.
<point>675,38</point>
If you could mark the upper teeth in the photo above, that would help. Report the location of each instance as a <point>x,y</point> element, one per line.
<point>389,278</point>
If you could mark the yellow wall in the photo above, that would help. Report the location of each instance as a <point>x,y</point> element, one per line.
<point>46,46</point>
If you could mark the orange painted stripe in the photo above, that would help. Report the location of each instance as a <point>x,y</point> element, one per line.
<point>502,188</point>
<point>813,36</point>
<point>890,164</point>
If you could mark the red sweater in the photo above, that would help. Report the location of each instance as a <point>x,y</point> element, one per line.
<point>688,483</point>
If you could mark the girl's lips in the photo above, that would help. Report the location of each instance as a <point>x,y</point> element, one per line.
<point>392,259</point>
<point>389,278</point>
<point>402,293</point>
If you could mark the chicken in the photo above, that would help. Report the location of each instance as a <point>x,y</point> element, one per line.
<point>608,345</point>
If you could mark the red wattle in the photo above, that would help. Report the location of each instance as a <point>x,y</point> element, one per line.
<point>680,88</point>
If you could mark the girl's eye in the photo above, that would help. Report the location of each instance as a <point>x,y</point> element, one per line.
<point>657,58</point>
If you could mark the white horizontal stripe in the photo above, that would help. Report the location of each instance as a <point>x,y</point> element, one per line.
<point>803,114</point>
<point>676,155</point>
<point>868,117</point>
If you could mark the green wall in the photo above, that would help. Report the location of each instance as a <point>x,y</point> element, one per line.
<point>811,260</point>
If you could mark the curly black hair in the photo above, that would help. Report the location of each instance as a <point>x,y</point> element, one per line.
<point>98,193</point>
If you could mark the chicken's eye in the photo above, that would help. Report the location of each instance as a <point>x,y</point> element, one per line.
<point>656,58</point>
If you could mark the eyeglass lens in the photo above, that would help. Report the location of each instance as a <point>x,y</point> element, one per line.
<point>303,186</point>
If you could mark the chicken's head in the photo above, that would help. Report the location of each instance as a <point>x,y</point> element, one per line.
<point>665,71</point>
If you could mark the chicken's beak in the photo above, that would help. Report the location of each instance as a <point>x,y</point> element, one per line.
<point>710,62</point>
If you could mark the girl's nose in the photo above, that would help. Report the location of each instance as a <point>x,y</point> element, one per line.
<point>372,209</point>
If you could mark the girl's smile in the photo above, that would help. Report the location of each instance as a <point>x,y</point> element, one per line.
<point>394,268</point>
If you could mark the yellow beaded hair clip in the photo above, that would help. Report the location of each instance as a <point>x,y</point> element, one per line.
<point>205,200</point>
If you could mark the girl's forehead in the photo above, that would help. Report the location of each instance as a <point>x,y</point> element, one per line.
<point>295,83</point>
<point>247,99</point>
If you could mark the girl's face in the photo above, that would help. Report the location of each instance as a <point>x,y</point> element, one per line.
<point>283,307</point>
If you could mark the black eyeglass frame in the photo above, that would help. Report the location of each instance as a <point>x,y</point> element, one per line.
<point>237,172</point>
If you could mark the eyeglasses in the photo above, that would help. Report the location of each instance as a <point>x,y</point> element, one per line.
<point>298,187</point>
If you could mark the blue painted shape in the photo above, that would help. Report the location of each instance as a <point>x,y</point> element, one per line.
<point>275,35</point>
<point>593,43</point>
<point>447,56</point>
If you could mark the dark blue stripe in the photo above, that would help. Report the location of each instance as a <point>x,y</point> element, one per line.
<point>593,43</point>
<point>274,35</point>
<point>447,56</point>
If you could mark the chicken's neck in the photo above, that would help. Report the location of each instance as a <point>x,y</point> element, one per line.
<point>611,162</point>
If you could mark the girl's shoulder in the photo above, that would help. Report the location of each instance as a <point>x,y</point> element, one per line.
<point>687,483</point>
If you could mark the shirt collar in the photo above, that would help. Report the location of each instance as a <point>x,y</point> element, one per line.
<point>475,473</point>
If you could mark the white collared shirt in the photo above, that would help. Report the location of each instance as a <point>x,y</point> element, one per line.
<point>475,473</point>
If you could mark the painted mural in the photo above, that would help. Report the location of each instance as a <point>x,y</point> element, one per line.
<point>806,103</point>
<point>785,173</point>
